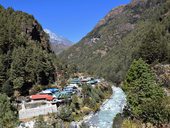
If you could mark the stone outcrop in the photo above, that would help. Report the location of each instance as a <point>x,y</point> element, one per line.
<point>163,74</point>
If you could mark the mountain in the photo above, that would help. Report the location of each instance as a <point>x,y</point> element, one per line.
<point>139,29</point>
<point>58,43</point>
<point>25,54</point>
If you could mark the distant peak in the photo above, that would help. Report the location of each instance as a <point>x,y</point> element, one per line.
<point>58,43</point>
<point>53,35</point>
<point>57,38</point>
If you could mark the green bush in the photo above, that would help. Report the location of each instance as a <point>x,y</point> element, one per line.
<point>40,123</point>
<point>117,121</point>
<point>8,117</point>
<point>65,113</point>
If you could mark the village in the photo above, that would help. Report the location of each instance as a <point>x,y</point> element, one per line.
<point>49,100</point>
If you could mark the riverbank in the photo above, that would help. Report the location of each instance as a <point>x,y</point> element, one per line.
<point>108,110</point>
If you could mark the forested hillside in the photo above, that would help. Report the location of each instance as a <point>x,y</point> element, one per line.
<point>140,29</point>
<point>25,55</point>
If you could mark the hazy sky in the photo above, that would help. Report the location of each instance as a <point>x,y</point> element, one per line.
<point>72,19</point>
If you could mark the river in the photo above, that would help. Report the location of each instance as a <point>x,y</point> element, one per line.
<point>108,111</point>
<point>103,118</point>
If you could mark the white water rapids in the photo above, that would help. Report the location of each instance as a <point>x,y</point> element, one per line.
<point>108,111</point>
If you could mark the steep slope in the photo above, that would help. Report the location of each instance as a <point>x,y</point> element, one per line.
<point>24,52</point>
<point>118,38</point>
<point>58,43</point>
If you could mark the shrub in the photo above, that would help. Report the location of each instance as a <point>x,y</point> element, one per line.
<point>8,117</point>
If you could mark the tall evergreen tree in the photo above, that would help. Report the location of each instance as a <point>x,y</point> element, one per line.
<point>145,97</point>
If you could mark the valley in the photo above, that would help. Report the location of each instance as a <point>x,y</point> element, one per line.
<point>117,76</point>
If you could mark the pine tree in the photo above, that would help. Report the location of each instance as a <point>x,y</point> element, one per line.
<point>145,97</point>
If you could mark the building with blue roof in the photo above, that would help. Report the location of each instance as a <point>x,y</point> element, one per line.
<point>75,81</point>
<point>52,90</point>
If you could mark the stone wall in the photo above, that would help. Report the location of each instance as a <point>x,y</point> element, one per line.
<point>33,112</point>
